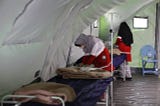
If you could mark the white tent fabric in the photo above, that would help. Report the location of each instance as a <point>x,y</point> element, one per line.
<point>62,48</point>
<point>50,15</point>
<point>59,22</point>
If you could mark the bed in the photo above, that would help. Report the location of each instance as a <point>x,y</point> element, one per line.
<point>50,93</point>
<point>88,90</point>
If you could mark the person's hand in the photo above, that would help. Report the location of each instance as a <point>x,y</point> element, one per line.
<point>81,65</point>
<point>116,51</point>
<point>85,69</point>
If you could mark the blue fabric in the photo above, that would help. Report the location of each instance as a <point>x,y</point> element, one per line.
<point>118,60</point>
<point>88,91</point>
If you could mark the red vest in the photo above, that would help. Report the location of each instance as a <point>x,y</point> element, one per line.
<point>124,48</point>
<point>101,60</point>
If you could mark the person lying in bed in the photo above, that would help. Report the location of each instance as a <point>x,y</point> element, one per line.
<point>44,91</point>
<point>95,52</point>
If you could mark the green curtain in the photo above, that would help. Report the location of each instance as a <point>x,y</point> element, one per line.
<point>103,28</point>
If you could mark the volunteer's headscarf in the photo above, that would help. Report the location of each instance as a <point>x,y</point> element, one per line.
<point>126,34</point>
<point>89,42</point>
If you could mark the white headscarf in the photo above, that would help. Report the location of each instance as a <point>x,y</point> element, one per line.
<point>92,45</point>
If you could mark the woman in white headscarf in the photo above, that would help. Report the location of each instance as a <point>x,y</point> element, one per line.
<point>95,51</point>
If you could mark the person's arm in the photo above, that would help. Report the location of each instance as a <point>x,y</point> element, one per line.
<point>96,50</point>
<point>88,60</point>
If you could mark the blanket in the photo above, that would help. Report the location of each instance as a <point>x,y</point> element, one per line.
<point>87,91</point>
<point>44,90</point>
<point>76,73</point>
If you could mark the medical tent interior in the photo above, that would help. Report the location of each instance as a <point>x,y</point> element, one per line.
<point>38,35</point>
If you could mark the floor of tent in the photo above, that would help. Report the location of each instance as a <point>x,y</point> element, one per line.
<point>141,91</point>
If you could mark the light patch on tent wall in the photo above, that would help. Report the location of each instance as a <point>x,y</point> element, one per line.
<point>140,22</point>
<point>95,24</point>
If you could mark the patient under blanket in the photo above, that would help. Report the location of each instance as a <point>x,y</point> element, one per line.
<point>79,88</point>
<point>45,90</point>
<point>76,73</point>
<point>88,92</point>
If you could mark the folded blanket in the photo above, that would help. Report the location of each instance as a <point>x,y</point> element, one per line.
<point>75,72</point>
<point>45,90</point>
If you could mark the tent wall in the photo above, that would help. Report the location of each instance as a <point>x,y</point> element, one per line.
<point>78,20</point>
<point>158,32</point>
<point>18,62</point>
<point>143,36</point>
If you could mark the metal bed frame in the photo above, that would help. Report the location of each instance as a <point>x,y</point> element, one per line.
<point>6,100</point>
<point>108,97</point>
